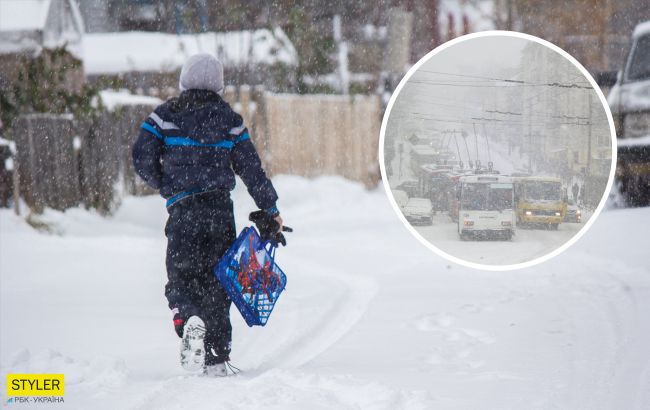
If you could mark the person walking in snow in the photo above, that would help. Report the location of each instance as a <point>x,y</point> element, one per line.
<point>190,149</point>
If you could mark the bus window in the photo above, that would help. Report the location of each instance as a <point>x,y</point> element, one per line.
<point>543,191</point>
<point>474,197</point>
<point>500,197</point>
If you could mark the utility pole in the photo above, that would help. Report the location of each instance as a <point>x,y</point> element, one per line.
<point>435,29</point>
<point>530,140</point>
<point>342,55</point>
<point>487,143</point>
<point>475,140</point>
<point>589,135</point>
<point>469,157</point>
<point>400,148</point>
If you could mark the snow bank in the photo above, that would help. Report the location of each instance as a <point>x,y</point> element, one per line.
<point>98,373</point>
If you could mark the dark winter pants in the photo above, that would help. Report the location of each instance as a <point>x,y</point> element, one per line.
<point>199,230</point>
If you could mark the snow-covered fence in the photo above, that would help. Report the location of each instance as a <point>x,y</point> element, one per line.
<point>49,175</point>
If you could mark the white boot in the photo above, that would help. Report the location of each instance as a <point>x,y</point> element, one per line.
<point>216,370</point>
<point>192,347</point>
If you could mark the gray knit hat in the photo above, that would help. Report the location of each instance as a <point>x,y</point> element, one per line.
<point>203,72</point>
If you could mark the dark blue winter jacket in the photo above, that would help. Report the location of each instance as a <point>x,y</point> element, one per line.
<point>193,143</point>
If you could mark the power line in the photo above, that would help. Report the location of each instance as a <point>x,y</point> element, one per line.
<point>472,120</point>
<point>507,80</point>
<point>449,84</point>
<point>538,115</point>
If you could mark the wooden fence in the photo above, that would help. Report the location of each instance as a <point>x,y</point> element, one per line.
<point>49,175</point>
<point>313,135</point>
<point>105,156</point>
<point>65,162</point>
<point>323,135</point>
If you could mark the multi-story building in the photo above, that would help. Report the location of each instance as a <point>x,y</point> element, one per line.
<point>564,123</point>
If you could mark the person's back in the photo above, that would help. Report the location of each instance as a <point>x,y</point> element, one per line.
<point>189,149</point>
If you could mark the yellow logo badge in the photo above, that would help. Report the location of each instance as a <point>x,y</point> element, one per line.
<point>35,385</point>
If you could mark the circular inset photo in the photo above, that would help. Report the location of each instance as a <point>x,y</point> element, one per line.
<point>497,150</point>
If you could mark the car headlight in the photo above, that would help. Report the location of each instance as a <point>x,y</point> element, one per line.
<point>558,214</point>
<point>529,213</point>
<point>636,124</point>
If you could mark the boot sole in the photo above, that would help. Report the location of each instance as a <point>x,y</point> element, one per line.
<point>192,346</point>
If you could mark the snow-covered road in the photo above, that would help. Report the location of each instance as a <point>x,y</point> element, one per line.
<point>527,244</point>
<point>370,318</point>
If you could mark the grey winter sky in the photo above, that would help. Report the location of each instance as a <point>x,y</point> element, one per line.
<point>427,96</point>
<point>507,94</point>
<point>479,56</point>
<point>463,85</point>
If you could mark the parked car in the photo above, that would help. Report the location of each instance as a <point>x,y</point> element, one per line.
<point>410,187</point>
<point>629,101</point>
<point>400,197</point>
<point>573,213</point>
<point>418,211</point>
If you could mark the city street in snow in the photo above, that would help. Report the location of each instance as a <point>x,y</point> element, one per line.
<point>528,242</point>
<point>484,145</point>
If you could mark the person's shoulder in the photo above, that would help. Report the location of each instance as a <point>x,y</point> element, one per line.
<point>160,111</point>
<point>167,107</point>
<point>226,112</point>
<point>163,115</point>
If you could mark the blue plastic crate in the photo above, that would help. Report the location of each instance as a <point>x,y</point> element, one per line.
<point>250,276</point>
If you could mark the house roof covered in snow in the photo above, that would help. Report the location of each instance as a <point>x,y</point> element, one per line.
<point>30,25</point>
<point>23,14</point>
<point>114,53</point>
<point>112,99</point>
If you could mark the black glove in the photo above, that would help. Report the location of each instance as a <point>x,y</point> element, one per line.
<point>269,228</point>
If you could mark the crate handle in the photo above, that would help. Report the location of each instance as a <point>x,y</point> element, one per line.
<point>270,250</point>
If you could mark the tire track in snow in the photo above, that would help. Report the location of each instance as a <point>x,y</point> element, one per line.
<point>605,323</point>
<point>340,302</point>
<point>341,299</point>
<point>630,357</point>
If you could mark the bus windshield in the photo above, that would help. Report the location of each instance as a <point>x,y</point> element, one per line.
<point>542,191</point>
<point>486,197</point>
